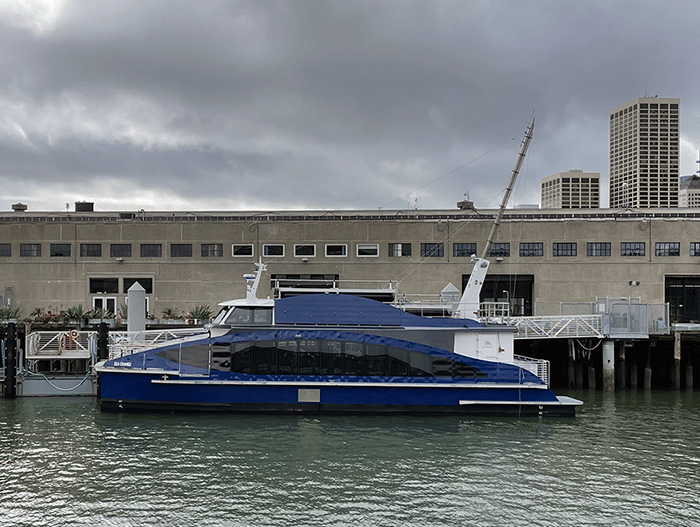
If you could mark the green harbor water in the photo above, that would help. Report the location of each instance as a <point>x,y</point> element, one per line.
<point>627,459</point>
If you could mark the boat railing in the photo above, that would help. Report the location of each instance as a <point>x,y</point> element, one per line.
<point>122,343</point>
<point>429,305</point>
<point>494,312</point>
<point>539,367</point>
<point>331,283</point>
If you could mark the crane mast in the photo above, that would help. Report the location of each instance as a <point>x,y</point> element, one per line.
<point>469,303</point>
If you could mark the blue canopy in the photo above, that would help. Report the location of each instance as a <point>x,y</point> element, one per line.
<point>333,309</point>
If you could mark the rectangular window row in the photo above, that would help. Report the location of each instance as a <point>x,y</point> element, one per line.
<point>427,250</point>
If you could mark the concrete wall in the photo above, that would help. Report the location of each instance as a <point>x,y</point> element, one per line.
<point>182,282</point>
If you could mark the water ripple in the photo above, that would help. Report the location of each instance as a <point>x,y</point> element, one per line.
<point>627,459</point>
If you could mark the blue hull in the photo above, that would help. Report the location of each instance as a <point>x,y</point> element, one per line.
<point>332,354</point>
<point>123,391</point>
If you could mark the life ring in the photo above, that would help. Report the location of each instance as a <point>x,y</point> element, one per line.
<point>72,339</point>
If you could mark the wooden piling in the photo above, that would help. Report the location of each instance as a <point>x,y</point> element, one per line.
<point>591,378</point>
<point>633,375</point>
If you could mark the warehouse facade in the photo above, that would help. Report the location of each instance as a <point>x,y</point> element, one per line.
<point>541,258</point>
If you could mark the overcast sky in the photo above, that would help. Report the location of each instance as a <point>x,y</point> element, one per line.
<point>265,105</point>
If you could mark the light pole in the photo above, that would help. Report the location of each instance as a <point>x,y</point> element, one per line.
<point>507,300</point>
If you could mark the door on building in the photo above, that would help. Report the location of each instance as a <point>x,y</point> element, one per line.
<point>516,289</point>
<point>683,297</point>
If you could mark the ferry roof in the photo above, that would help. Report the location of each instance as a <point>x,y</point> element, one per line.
<point>330,309</point>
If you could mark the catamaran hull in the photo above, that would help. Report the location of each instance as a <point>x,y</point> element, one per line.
<point>125,391</point>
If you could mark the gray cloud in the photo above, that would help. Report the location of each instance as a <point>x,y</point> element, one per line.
<point>323,104</point>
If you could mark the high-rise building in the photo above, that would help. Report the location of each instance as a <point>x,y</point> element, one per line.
<point>689,192</point>
<point>644,153</point>
<point>574,189</point>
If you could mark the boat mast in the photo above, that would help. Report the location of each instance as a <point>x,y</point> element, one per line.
<point>509,189</point>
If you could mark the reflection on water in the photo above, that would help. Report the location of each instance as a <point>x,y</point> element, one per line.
<point>628,458</point>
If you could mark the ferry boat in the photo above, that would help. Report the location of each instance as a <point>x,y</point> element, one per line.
<point>333,353</point>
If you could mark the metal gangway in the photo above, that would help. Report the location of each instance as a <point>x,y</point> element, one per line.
<point>607,317</point>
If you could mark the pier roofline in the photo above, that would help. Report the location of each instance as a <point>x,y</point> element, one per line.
<point>351,214</point>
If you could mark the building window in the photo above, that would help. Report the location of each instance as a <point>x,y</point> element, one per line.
<point>90,249</point>
<point>564,249</point>
<point>146,283</point>
<point>336,250</point>
<point>273,249</point>
<point>399,249</point>
<point>432,250</point>
<point>367,249</point>
<point>30,249</point>
<point>212,250</point>
<point>598,249</point>
<point>59,249</point>
<point>694,249</point>
<point>632,249</point>
<point>119,250</point>
<point>5,249</point>
<point>304,250</point>
<point>532,249</point>
<point>500,250</point>
<point>151,250</point>
<point>242,249</point>
<point>667,249</point>
<point>104,285</point>
<point>181,250</point>
<point>463,249</point>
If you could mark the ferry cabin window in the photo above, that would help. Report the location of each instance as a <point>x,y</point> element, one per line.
<point>30,249</point>
<point>273,249</point>
<point>463,250</point>
<point>331,357</point>
<point>212,250</point>
<point>90,249</point>
<point>399,249</point>
<point>668,249</point>
<point>259,316</point>
<point>243,249</point>
<point>632,249</point>
<point>694,249</point>
<point>151,250</point>
<point>5,249</point>
<point>119,250</point>
<point>59,249</point>
<point>181,250</point>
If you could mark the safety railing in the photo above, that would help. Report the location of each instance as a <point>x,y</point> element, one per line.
<point>538,367</point>
<point>122,343</point>
<point>558,326</point>
<point>70,344</point>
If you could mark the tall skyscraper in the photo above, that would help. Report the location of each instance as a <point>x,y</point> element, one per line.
<point>644,153</point>
<point>574,189</point>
